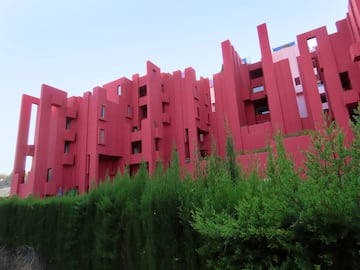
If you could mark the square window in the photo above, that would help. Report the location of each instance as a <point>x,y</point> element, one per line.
<point>297,81</point>
<point>136,147</point>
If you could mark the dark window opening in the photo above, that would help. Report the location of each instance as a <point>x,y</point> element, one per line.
<point>68,123</point>
<point>157,144</point>
<point>142,91</point>
<point>144,112</point>
<point>49,175</point>
<point>67,147</point>
<point>186,135</point>
<point>262,111</point>
<point>261,106</point>
<point>203,153</point>
<point>323,98</point>
<point>345,81</point>
<point>162,87</point>
<point>136,147</point>
<point>256,73</point>
<point>197,112</point>
<point>297,81</point>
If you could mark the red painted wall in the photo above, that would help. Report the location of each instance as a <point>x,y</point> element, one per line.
<point>79,141</point>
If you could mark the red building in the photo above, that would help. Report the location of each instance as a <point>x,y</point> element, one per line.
<point>81,140</point>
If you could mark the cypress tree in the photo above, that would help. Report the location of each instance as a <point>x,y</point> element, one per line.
<point>232,167</point>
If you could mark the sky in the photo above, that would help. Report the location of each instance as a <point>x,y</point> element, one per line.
<point>75,45</point>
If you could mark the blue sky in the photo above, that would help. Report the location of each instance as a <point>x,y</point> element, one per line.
<point>75,45</point>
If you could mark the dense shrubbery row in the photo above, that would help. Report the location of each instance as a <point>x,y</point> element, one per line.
<point>223,220</point>
<point>131,223</point>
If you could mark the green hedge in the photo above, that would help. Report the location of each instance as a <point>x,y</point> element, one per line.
<point>130,223</point>
<point>291,219</point>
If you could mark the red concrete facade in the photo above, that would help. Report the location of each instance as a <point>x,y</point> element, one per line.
<point>81,140</point>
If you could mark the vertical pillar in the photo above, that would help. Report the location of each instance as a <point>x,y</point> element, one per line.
<point>154,105</point>
<point>291,117</point>
<point>270,80</point>
<point>227,95</point>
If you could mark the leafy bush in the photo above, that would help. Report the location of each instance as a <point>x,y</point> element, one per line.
<point>283,221</point>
